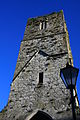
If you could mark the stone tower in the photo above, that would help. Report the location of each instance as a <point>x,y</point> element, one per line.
<point>37,89</point>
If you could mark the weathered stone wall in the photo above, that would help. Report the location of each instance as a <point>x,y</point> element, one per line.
<point>44,51</point>
<point>34,38</point>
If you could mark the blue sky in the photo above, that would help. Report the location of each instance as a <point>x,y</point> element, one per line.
<point>13,19</point>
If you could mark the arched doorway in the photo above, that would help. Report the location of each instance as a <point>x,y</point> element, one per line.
<point>40,115</point>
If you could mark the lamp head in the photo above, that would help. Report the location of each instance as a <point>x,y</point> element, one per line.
<point>69,76</point>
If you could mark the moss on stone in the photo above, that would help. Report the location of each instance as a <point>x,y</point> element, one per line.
<point>33,19</point>
<point>4,110</point>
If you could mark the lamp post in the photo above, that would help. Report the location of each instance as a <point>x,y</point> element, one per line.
<point>69,76</point>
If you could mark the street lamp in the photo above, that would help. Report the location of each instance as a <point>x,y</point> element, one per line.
<point>69,76</point>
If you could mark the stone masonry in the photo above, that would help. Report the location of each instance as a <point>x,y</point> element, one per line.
<point>44,49</point>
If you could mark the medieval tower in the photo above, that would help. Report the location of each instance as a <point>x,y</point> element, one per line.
<point>37,89</point>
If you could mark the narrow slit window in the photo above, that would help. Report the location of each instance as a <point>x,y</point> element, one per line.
<point>43,25</point>
<point>41,78</point>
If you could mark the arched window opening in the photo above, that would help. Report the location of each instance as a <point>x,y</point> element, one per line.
<point>43,25</point>
<point>40,115</point>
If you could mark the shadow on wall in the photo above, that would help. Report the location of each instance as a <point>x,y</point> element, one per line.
<point>66,118</point>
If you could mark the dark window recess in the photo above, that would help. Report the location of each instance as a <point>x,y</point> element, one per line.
<point>45,24</point>
<point>42,26</point>
<point>41,78</point>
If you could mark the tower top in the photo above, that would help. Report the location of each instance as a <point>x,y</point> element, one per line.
<point>51,26</point>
